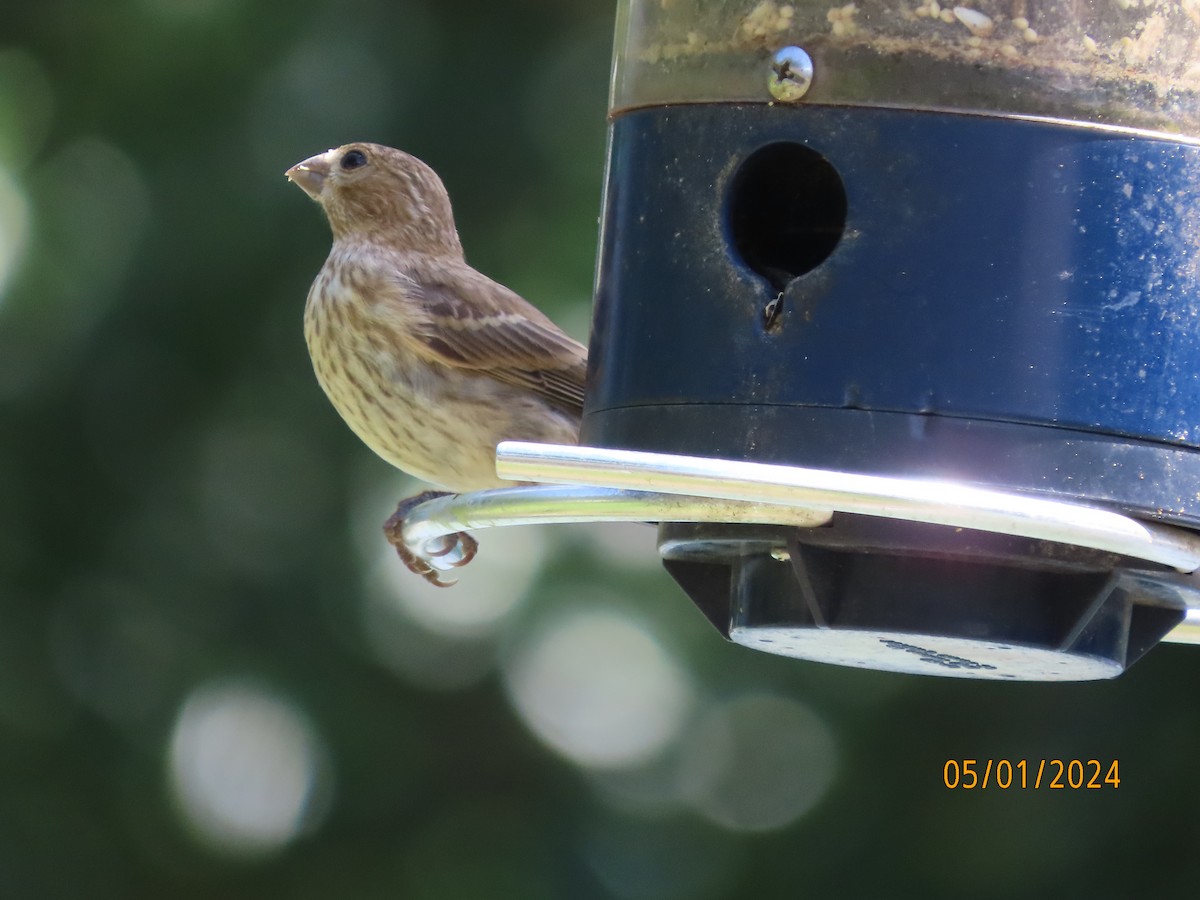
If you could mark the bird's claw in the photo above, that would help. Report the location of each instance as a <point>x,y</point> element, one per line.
<point>453,550</point>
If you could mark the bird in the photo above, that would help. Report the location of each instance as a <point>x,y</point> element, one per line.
<point>430,362</point>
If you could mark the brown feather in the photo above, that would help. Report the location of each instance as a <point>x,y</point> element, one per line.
<point>500,332</point>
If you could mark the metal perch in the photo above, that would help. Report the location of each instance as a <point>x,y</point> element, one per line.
<point>588,484</point>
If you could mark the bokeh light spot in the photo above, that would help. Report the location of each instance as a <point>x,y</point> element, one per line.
<point>14,228</point>
<point>599,689</point>
<point>757,763</point>
<point>245,767</point>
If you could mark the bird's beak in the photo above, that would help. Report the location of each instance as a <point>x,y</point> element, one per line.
<point>310,175</point>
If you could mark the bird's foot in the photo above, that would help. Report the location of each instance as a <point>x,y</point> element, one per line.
<point>451,551</point>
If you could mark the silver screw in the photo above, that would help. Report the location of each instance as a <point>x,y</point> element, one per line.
<point>791,74</point>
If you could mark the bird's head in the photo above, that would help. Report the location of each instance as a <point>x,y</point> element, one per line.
<point>378,192</point>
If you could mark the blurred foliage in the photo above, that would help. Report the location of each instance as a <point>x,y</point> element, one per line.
<point>213,682</point>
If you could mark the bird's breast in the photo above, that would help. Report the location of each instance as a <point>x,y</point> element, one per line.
<point>434,422</point>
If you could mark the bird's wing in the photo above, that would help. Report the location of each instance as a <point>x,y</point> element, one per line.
<point>496,331</point>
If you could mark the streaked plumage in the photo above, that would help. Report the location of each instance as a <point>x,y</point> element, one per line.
<point>429,362</point>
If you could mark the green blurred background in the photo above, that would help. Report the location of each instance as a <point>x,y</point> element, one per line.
<point>215,680</point>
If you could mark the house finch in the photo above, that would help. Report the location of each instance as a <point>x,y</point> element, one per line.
<point>429,362</point>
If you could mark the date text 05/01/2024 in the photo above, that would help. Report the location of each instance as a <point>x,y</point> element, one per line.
<point>1023,774</point>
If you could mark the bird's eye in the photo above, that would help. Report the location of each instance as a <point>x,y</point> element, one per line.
<point>353,159</point>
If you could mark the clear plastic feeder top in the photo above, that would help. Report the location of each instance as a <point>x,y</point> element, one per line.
<point>1129,63</point>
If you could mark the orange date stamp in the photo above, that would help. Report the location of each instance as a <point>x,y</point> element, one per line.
<point>1031,774</point>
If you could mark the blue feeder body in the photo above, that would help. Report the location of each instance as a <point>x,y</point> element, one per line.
<point>1000,301</point>
<point>1005,301</point>
<point>922,243</point>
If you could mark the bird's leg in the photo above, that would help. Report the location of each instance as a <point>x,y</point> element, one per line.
<point>393,530</point>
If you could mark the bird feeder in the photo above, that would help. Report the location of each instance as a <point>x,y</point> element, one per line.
<point>897,330</point>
